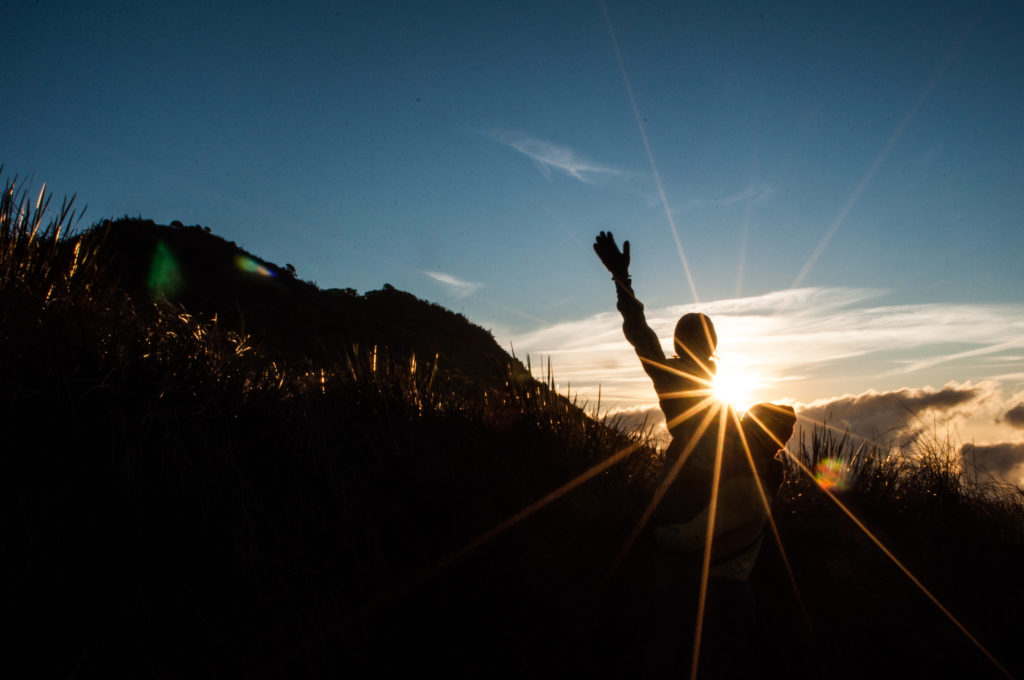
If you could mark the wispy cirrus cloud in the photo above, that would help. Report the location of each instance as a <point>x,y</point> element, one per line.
<point>455,286</point>
<point>754,193</point>
<point>555,157</point>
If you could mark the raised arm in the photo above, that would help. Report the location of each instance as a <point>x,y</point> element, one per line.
<point>634,324</point>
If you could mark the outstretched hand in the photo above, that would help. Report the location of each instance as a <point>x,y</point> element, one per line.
<point>616,262</point>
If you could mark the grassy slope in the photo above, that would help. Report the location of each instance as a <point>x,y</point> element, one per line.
<point>183,499</point>
<point>289,317</point>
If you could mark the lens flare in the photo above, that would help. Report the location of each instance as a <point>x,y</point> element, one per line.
<point>831,474</point>
<point>888,553</point>
<point>451,558</point>
<point>165,279</point>
<point>247,264</point>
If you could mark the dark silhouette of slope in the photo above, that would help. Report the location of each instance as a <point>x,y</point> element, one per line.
<point>177,508</point>
<point>208,275</point>
<point>183,506</point>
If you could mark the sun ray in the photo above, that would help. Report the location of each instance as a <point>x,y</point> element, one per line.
<point>782,444</point>
<point>775,528</point>
<point>686,394</point>
<point>888,553</point>
<point>662,489</point>
<point>768,511</point>
<point>710,343</point>
<point>743,250</point>
<point>873,169</point>
<point>682,374</point>
<point>407,585</point>
<point>513,310</point>
<point>745,232</point>
<point>691,412</point>
<point>822,423</point>
<point>650,156</point>
<point>705,569</point>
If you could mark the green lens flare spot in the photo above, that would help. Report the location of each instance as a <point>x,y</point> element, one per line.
<point>165,278</point>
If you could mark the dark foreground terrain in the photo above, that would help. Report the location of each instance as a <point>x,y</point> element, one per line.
<point>215,469</point>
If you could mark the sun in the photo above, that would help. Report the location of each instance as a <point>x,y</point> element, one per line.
<point>733,385</point>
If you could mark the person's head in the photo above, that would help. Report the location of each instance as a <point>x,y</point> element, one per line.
<point>767,427</point>
<point>695,337</point>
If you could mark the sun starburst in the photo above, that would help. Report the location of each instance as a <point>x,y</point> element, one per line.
<point>734,384</point>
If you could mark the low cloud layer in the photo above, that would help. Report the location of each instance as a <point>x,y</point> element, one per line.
<point>898,415</point>
<point>1015,416</point>
<point>1003,461</point>
<point>893,418</point>
<point>646,418</point>
<point>901,417</point>
<point>549,156</point>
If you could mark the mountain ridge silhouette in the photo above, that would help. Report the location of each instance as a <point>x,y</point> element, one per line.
<point>209,275</point>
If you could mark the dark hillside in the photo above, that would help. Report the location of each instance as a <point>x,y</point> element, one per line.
<point>180,499</point>
<point>209,275</point>
<point>247,495</point>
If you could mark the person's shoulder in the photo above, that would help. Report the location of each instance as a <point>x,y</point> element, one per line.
<point>691,368</point>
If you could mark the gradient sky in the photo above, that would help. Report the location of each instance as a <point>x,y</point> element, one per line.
<point>846,180</point>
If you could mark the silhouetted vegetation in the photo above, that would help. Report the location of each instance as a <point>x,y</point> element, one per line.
<point>286,316</point>
<point>214,468</point>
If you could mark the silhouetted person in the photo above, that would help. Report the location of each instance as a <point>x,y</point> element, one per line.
<point>747,485</point>
<point>682,382</point>
<point>743,504</point>
<point>744,496</point>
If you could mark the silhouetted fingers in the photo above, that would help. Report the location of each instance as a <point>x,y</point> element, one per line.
<point>616,262</point>
<point>604,246</point>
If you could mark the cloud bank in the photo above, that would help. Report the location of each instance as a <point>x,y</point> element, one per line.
<point>1015,416</point>
<point>899,416</point>
<point>548,156</point>
<point>1002,462</point>
<point>893,418</point>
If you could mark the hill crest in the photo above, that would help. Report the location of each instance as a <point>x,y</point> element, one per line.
<point>207,274</point>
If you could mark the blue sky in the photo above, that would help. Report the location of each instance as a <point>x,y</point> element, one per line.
<point>863,160</point>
